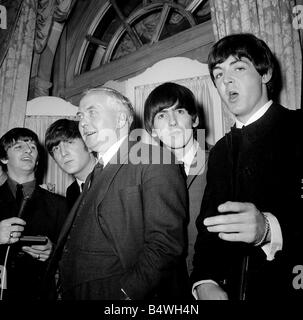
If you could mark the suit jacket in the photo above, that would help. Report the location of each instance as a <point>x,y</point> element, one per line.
<point>196,182</point>
<point>72,193</point>
<point>141,209</point>
<point>261,164</point>
<point>44,214</point>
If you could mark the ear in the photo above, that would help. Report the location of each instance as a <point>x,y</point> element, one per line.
<point>121,120</point>
<point>154,133</point>
<point>4,161</point>
<point>196,122</point>
<point>267,76</point>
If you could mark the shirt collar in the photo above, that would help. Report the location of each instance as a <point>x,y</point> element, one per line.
<point>106,157</point>
<point>257,115</point>
<point>28,187</point>
<point>79,182</point>
<point>188,158</point>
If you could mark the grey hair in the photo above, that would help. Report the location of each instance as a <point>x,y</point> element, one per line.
<point>124,101</point>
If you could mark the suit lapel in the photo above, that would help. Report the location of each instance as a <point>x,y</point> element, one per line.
<point>104,180</point>
<point>99,187</point>
<point>69,220</point>
<point>197,167</point>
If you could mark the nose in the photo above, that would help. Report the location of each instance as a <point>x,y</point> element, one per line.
<point>82,124</point>
<point>27,148</point>
<point>227,78</point>
<point>172,119</point>
<point>63,149</point>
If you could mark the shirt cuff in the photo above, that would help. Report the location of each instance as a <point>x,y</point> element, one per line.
<point>276,239</point>
<point>196,284</point>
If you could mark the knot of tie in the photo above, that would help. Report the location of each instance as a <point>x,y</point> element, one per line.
<point>97,170</point>
<point>99,165</point>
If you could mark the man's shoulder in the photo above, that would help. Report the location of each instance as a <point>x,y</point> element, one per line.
<point>220,146</point>
<point>73,185</point>
<point>51,196</point>
<point>141,153</point>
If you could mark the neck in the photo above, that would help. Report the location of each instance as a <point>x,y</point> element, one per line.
<point>21,178</point>
<point>181,152</point>
<point>86,170</point>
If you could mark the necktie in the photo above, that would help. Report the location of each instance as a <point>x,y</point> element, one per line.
<point>97,170</point>
<point>182,164</point>
<point>82,186</point>
<point>19,194</point>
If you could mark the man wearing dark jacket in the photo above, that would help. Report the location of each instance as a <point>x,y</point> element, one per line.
<point>64,143</point>
<point>124,238</point>
<point>23,263</point>
<point>250,226</point>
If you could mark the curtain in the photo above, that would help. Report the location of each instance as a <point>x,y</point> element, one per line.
<point>201,88</point>
<point>48,12</point>
<point>15,70</point>
<point>270,20</point>
<point>55,179</point>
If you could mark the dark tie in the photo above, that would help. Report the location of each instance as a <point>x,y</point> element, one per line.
<point>97,170</point>
<point>81,187</point>
<point>182,165</point>
<point>19,194</point>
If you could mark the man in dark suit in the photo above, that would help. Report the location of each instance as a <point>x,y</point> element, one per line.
<point>171,116</point>
<point>124,238</point>
<point>43,214</point>
<point>250,226</point>
<point>64,143</point>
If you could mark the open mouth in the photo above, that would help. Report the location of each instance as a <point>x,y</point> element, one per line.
<point>232,96</point>
<point>26,159</point>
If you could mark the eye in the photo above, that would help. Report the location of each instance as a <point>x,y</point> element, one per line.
<point>33,147</point>
<point>239,68</point>
<point>218,75</point>
<point>79,116</point>
<point>181,111</point>
<point>160,115</point>
<point>92,113</point>
<point>55,149</point>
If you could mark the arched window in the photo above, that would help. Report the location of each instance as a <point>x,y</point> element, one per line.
<point>122,27</point>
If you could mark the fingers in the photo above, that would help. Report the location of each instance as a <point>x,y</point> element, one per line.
<point>229,228</point>
<point>37,254</point>
<point>231,206</point>
<point>12,221</point>
<point>234,237</point>
<point>224,219</point>
<point>238,212</point>
<point>45,247</point>
<point>11,229</point>
<point>239,222</point>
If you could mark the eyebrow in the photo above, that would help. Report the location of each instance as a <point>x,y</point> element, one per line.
<point>175,106</point>
<point>233,62</point>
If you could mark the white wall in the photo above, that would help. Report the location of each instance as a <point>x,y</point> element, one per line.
<point>50,106</point>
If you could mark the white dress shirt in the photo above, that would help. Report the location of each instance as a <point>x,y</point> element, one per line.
<point>106,157</point>
<point>189,157</point>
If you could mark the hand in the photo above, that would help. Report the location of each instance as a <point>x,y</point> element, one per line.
<point>10,230</point>
<point>210,291</point>
<point>41,253</point>
<point>244,223</point>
